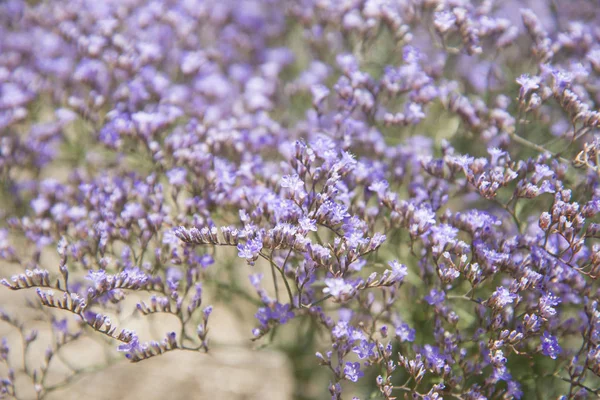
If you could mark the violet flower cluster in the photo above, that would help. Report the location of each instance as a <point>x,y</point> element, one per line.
<point>411,185</point>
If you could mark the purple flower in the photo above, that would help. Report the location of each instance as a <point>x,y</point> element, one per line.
<point>502,297</point>
<point>255,280</point>
<point>399,271</point>
<point>435,297</point>
<point>281,313</point>
<point>414,113</point>
<point>342,330</point>
<point>293,183</point>
<point>514,389</point>
<point>562,78</point>
<point>547,303</point>
<point>435,360</point>
<point>40,205</point>
<point>307,224</point>
<point>250,250</point>
<point>352,371</point>
<point>550,347</point>
<point>4,349</point>
<point>528,83</point>
<point>364,349</point>
<point>61,325</point>
<point>334,213</point>
<point>423,218</point>
<point>133,211</point>
<point>319,93</point>
<point>532,323</point>
<point>496,154</point>
<point>338,288</point>
<point>173,276</point>
<point>443,234</point>
<point>405,333</point>
<point>263,315</point>
<point>278,313</point>
<point>444,21</point>
<point>177,176</point>
<point>131,347</point>
<point>379,187</point>
<point>206,260</point>
<point>187,136</point>
<point>99,278</point>
<point>541,172</point>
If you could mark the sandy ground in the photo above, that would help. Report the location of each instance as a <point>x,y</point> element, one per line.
<point>224,374</point>
<point>232,369</point>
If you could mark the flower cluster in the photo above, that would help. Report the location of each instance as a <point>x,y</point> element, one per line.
<point>418,179</point>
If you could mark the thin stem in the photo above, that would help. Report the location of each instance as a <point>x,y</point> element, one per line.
<point>462,297</point>
<point>79,374</point>
<point>275,286</point>
<point>287,285</point>
<point>537,147</point>
<point>318,301</point>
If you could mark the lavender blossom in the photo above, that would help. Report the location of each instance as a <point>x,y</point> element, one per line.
<point>411,184</point>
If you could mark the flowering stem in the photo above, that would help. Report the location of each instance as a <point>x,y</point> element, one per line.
<point>463,297</point>
<point>287,285</point>
<point>77,375</point>
<point>536,147</point>
<point>581,385</point>
<point>274,276</point>
<point>318,301</point>
<point>512,212</point>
